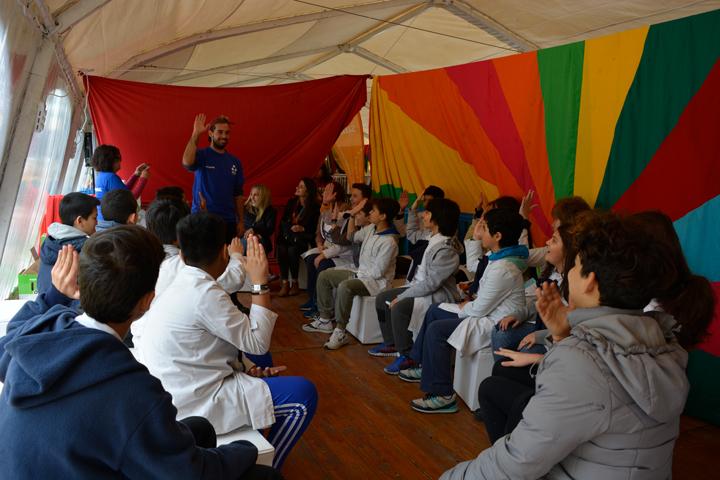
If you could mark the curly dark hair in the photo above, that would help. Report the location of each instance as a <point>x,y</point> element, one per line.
<point>630,267</point>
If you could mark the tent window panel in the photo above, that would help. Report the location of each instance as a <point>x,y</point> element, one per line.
<point>72,175</point>
<point>40,176</point>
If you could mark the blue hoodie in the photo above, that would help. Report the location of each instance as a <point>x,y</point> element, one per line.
<point>76,404</point>
<point>59,235</point>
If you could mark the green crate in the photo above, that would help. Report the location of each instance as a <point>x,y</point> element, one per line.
<point>27,283</point>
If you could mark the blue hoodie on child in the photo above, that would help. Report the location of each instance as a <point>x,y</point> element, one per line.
<point>76,404</point>
<point>58,236</point>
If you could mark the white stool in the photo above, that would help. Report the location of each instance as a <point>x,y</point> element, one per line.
<point>363,323</point>
<point>470,371</point>
<point>266,452</point>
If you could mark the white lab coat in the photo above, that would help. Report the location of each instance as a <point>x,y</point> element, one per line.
<point>231,281</point>
<point>501,292</point>
<point>191,341</point>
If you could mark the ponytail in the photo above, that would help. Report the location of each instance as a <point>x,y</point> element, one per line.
<point>692,303</point>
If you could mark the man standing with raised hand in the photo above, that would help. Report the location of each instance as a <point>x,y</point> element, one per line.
<point>218,184</point>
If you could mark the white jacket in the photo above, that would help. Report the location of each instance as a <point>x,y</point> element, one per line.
<point>191,341</point>
<point>501,292</point>
<point>231,281</point>
<point>377,258</point>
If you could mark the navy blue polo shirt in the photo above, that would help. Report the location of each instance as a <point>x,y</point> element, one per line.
<point>219,177</point>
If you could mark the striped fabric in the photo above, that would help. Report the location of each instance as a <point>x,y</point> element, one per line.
<point>629,121</point>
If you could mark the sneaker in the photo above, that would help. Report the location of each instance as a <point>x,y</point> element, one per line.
<point>311,314</point>
<point>400,363</point>
<point>435,404</point>
<point>308,306</point>
<point>412,375</point>
<point>337,339</point>
<point>383,350</point>
<point>322,325</point>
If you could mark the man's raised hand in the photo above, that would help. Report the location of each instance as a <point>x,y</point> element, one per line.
<point>200,127</point>
<point>65,272</point>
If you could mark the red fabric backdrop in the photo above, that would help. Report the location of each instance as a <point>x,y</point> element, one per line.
<point>280,132</point>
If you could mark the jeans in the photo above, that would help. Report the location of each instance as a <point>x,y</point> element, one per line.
<point>509,338</point>
<point>433,352</point>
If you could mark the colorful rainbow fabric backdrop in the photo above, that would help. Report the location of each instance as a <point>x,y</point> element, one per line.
<point>629,121</point>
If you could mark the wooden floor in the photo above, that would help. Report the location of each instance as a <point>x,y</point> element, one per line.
<point>364,427</point>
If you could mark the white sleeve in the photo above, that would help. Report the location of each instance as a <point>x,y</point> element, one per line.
<point>497,284</point>
<point>473,253</point>
<point>233,277</point>
<point>249,334</point>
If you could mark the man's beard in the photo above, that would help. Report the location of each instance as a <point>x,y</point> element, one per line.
<point>219,146</point>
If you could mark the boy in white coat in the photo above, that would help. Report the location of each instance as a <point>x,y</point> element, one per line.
<point>500,292</point>
<point>194,334</point>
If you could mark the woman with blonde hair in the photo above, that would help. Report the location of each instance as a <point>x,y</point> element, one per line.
<point>259,217</point>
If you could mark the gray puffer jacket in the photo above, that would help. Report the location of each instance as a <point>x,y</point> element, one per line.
<point>607,405</point>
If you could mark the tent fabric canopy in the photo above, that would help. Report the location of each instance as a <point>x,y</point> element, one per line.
<point>214,43</point>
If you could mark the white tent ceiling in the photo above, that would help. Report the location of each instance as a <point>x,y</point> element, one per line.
<point>260,42</point>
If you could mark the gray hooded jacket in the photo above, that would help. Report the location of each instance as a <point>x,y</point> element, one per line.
<point>607,405</point>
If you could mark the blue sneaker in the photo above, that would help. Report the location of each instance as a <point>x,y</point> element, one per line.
<point>400,363</point>
<point>383,350</point>
<point>310,313</point>
<point>307,306</point>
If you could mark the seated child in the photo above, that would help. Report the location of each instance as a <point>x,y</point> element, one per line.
<point>78,214</point>
<point>612,386</point>
<point>119,207</point>
<point>375,272</point>
<point>401,310</point>
<point>500,292</point>
<point>194,334</point>
<point>331,246</point>
<point>162,219</point>
<point>76,403</point>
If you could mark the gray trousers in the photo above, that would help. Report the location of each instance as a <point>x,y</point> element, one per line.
<point>347,288</point>
<point>394,322</point>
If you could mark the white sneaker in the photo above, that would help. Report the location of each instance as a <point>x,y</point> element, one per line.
<point>322,325</point>
<point>337,339</point>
